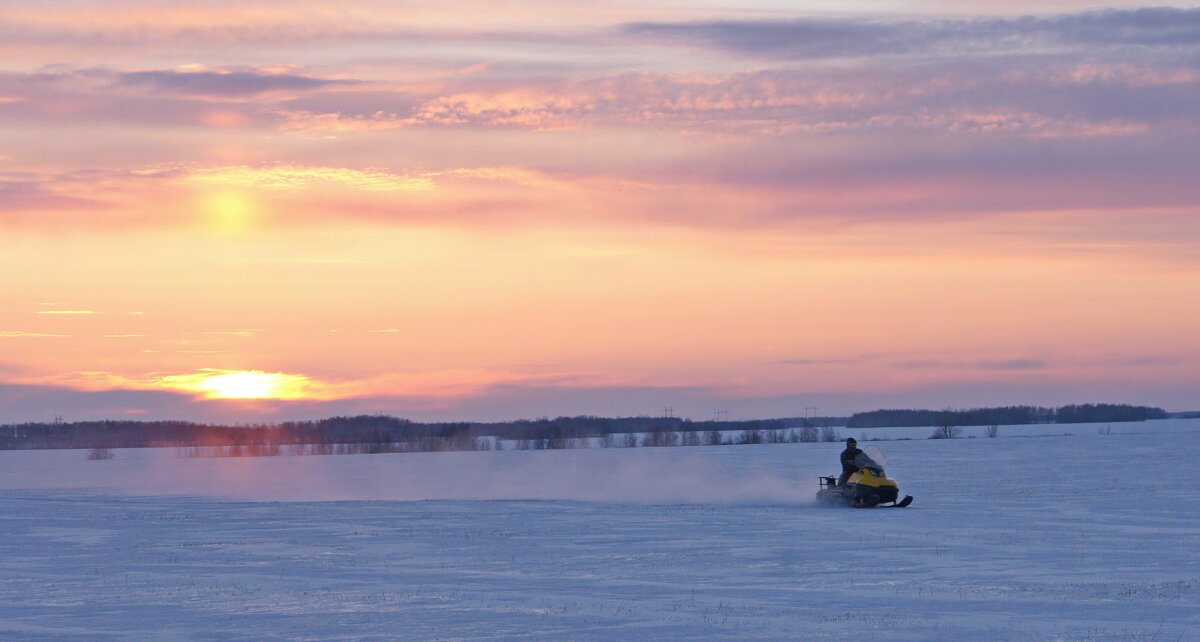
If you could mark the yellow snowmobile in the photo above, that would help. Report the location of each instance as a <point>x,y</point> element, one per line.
<point>867,488</point>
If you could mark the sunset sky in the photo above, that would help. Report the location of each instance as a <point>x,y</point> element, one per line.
<point>254,210</point>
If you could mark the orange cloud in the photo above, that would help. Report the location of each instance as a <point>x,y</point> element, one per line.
<point>307,121</point>
<point>749,104</point>
<point>296,177</point>
<point>1013,122</point>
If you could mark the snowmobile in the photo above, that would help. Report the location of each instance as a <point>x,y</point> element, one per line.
<point>867,488</point>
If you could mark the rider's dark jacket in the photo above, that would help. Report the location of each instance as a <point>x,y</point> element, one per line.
<point>848,455</point>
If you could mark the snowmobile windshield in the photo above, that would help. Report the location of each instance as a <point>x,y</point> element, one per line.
<point>862,460</point>
<point>877,455</point>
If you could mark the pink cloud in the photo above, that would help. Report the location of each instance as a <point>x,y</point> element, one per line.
<point>982,99</point>
<point>28,197</point>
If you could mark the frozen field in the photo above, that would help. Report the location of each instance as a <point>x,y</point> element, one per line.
<point>1080,537</point>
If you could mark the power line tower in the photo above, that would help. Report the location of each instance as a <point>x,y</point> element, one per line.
<point>669,412</point>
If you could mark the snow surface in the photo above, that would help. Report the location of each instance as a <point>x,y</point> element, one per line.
<point>1085,536</point>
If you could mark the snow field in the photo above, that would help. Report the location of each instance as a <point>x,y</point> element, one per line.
<point>1082,537</point>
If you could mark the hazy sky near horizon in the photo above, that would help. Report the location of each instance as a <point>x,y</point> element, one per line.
<point>243,211</point>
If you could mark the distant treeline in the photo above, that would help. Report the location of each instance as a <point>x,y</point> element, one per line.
<point>401,435</point>
<point>381,433</point>
<point>1008,415</point>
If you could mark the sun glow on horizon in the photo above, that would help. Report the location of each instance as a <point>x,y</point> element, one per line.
<point>247,384</point>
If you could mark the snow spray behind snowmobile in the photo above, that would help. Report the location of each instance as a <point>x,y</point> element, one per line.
<point>867,488</point>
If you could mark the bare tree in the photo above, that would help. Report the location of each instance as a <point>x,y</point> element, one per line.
<point>660,436</point>
<point>631,440</point>
<point>946,432</point>
<point>751,436</point>
<point>829,433</point>
<point>809,434</point>
<point>947,425</point>
<point>992,431</point>
<point>713,438</point>
<point>556,438</point>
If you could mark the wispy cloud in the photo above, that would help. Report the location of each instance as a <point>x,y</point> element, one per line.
<point>295,177</point>
<point>1004,364</point>
<point>816,362</point>
<point>1006,99</point>
<point>812,39</point>
<point>18,334</point>
<point>27,196</point>
<point>224,83</point>
<point>1003,100</point>
<point>1139,360</point>
<point>220,98</point>
<point>68,312</point>
<point>191,23</point>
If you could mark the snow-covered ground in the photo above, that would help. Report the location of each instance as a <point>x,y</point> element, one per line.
<point>1068,537</point>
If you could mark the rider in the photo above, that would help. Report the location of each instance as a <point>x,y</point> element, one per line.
<point>848,465</point>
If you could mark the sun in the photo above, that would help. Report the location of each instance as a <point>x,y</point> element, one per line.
<point>229,212</point>
<point>243,384</point>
